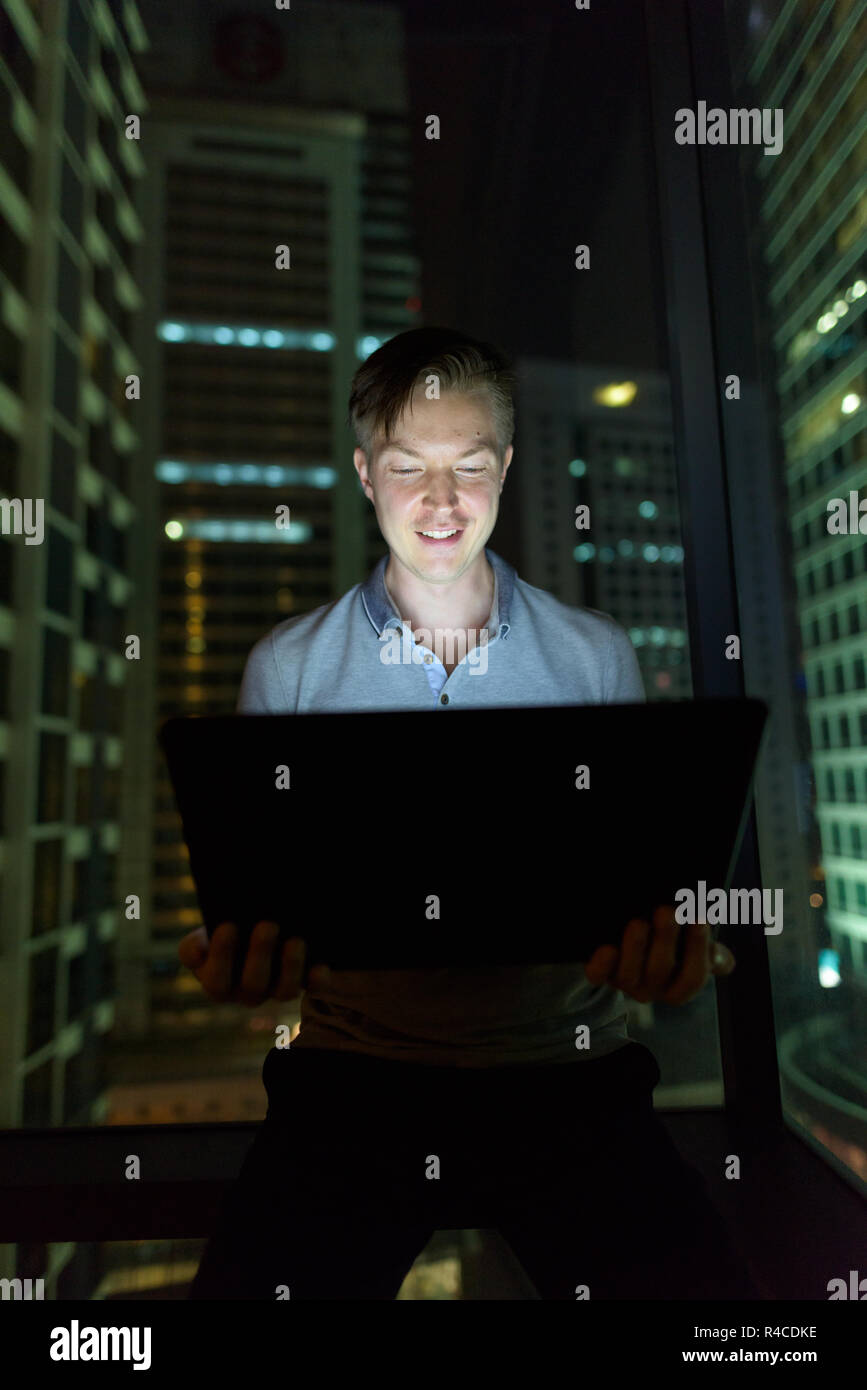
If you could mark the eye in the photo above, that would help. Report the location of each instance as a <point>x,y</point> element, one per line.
<point>466,467</point>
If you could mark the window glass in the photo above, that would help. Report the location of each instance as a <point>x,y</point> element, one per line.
<point>810,237</point>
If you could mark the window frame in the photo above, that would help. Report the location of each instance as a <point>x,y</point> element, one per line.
<point>702,242</point>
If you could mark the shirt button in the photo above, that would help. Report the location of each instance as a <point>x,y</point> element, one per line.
<point>428,658</point>
<point>444,699</point>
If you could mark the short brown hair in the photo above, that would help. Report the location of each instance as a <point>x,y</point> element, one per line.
<point>383,385</point>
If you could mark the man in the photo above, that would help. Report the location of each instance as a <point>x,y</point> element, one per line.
<point>412,1101</point>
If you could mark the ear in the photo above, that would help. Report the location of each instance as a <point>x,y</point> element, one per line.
<point>359,459</point>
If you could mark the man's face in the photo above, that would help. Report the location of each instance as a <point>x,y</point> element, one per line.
<point>439,471</point>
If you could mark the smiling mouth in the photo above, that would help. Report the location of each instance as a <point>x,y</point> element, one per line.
<point>437,537</point>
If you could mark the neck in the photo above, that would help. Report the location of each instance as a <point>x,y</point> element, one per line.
<point>456,607</point>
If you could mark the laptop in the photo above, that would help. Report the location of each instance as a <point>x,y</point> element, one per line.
<point>461,838</point>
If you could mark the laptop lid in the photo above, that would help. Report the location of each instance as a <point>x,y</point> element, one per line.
<point>476,838</point>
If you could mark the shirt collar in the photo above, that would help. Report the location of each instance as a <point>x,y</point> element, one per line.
<point>383,614</point>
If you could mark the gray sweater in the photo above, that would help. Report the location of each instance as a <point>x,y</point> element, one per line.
<point>354,654</point>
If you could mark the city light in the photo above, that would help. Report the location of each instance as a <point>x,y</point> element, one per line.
<point>668,554</point>
<point>615,393</point>
<point>250,335</point>
<point>258,474</point>
<point>829,969</point>
<point>248,531</point>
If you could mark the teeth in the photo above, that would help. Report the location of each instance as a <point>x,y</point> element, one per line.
<point>440,535</point>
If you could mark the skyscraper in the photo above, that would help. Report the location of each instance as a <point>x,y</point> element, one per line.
<point>601,439</point>
<point>68,435</point>
<point>810,222</point>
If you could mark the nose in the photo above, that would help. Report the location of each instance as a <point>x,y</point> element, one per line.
<point>441,493</point>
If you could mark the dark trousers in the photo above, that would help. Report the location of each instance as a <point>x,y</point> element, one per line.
<point>360,1160</point>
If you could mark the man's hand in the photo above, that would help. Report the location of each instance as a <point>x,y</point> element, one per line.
<point>645,968</point>
<point>212,963</point>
